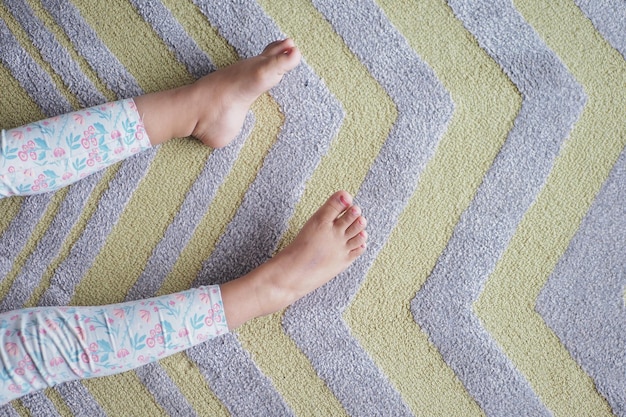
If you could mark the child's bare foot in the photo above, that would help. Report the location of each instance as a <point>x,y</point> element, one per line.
<point>224,97</point>
<point>213,108</point>
<point>327,244</point>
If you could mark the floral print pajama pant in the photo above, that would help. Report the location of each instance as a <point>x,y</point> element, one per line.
<point>44,346</point>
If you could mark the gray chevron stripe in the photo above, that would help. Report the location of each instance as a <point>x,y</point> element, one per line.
<point>112,202</point>
<point>35,81</point>
<point>302,142</point>
<point>17,234</point>
<point>196,203</point>
<point>79,400</point>
<point>8,411</point>
<point>167,27</point>
<point>40,405</point>
<point>57,56</point>
<point>424,109</point>
<point>552,102</point>
<point>89,45</point>
<point>162,260</point>
<point>609,17</point>
<point>198,199</point>
<point>40,87</point>
<point>583,300</point>
<point>49,246</point>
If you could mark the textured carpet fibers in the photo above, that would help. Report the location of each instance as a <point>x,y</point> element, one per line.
<point>484,140</point>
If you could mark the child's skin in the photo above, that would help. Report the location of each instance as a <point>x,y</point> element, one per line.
<point>213,109</point>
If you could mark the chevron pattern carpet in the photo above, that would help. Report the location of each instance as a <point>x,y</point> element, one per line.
<point>484,139</point>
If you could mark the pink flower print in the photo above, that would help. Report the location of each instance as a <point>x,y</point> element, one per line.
<point>17,134</point>
<point>22,155</point>
<point>11,348</point>
<point>11,169</point>
<point>94,141</point>
<point>158,328</point>
<point>202,337</point>
<point>119,313</point>
<point>205,298</point>
<point>208,320</point>
<point>92,328</point>
<point>56,361</point>
<point>80,332</point>
<point>91,162</point>
<point>183,332</point>
<point>14,388</point>
<point>119,150</point>
<point>122,353</point>
<point>33,155</point>
<point>150,342</point>
<point>110,320</point>
<point>180,296</point>
<point>59,152</point>
<point>145,315</point>
<point>30,144</point>
<point>67,175</point>
<point>93,347</point>
<point>51,324</point>
<point>116,134</point>
<point>20,371</point>
<point>35,188</point>
<point>95,358</point>
<point>172,302</point>
<point>160,340</point>
<point>85,143</point>
<point>78,118</point>
<point>84,357</point>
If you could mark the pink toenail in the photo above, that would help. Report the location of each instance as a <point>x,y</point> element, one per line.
<point>361,220</point>
<point>343,201</point>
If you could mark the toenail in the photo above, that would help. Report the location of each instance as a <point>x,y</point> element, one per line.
<point>343,201</point>
<point>354,211</point>
<point>361,220</point>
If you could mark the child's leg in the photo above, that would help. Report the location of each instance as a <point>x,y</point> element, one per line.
<point>50,154</point>
<point>58,151</point>
<point>45,346</point>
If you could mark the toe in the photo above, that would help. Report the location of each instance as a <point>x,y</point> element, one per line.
<point>345,221</point>
<point>356,226</point>
<point>278,47</point>
<point>334,206</point>
<point>359,240</point>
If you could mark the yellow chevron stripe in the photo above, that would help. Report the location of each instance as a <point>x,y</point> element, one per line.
<point>131,400</point>
<point>325,52</point>
<point>507,304</point>
<point>64,41</point>
<point>228,198</point>
<point>486,104</point>
<point>22,37</point>
<point>155,68</point>
<point>203,33</point>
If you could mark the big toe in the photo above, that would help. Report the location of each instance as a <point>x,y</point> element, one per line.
<point>278,47</point>
<point>334,206</point>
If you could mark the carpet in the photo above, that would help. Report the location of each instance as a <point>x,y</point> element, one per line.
<point>483,139</point>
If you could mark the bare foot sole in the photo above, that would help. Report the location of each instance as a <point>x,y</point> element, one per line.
<point>329,242</point>
<point>225,96</point>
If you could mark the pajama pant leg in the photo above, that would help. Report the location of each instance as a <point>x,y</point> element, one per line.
<point>52,153</point>
<point>44,346</point>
